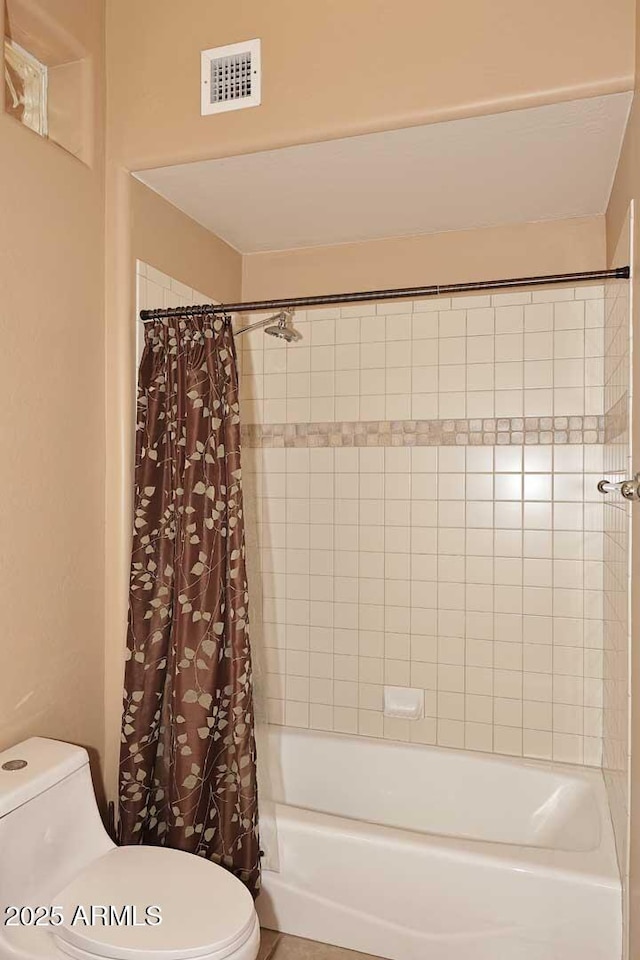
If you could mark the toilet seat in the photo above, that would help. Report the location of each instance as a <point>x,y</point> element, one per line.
<point>207,913</point>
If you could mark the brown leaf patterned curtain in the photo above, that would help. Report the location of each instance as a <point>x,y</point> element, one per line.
<point>188,758</point>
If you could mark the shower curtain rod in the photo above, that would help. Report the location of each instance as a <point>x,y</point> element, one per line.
<point>400,293</point>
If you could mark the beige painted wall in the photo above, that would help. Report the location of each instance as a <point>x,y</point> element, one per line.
<point>172,242</point>
<point>625,189</point>
<point>52,421</point>
<point>626,185</point>
<point>336,69</point>
<point>554,246</point>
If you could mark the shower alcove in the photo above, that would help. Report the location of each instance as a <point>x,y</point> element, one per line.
<point>420,481</point>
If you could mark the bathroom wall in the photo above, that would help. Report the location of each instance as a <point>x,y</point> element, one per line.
<point>518,250</point>
<point>421,490</point>
<point>52,418</point>
<point>327,67</point>
<point>178,246</point>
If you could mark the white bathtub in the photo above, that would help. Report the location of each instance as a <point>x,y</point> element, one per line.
<point>420,853</point>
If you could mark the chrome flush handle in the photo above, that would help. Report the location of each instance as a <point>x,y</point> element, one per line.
<point>630,489</point>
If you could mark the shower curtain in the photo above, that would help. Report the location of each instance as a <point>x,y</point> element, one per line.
<point>188,757</point>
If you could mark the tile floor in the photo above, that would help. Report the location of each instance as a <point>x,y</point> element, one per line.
<point>280,946</point>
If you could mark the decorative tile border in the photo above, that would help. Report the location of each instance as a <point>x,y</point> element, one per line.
<point>427,433</point>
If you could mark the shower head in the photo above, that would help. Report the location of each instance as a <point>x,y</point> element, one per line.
<point>283,328</point>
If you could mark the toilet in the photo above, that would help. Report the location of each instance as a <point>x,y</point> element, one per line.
<point>67,891</point>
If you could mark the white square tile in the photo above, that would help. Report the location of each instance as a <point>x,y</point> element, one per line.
<point>451,350</point>
<point>424,406</point>
<point>509,319</point>
<point>509,347</point>
<point>480,322</point>
<point>569,315</point>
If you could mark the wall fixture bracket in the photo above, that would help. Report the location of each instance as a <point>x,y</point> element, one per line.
<point>630,489</point>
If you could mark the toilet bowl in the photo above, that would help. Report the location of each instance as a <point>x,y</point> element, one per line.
<point>67,891</point>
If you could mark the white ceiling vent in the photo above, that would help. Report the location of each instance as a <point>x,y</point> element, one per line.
<point>231,77</point>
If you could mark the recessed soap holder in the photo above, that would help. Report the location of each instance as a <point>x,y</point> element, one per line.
<point>404,702</point>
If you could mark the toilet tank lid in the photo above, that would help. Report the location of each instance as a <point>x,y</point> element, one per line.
<point>33,766</point>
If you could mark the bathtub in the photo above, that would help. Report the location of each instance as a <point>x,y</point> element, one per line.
<point>421,853</point>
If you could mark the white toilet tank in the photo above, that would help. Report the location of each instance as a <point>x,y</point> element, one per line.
<point>50,828</point>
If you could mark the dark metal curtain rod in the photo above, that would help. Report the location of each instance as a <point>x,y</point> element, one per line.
<point>401,293</point>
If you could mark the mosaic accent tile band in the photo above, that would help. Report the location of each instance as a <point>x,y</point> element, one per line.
<point>428,433</point>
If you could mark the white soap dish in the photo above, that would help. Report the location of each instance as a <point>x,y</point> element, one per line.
<point>404,702</point>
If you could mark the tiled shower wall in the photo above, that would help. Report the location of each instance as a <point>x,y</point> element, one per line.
<point>419,479</point>
<point>422,511</point>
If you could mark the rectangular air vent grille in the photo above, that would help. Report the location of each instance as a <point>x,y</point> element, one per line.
<point>231,77</point>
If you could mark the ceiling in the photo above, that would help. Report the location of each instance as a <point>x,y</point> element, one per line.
<point>541,163</point>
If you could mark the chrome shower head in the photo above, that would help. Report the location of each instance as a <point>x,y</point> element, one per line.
<point>283,329</point>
